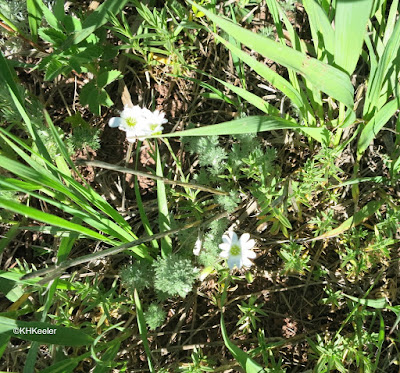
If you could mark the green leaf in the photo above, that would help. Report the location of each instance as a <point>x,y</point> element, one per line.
<point>48,15</point>
<point>52,35</point>
<point>271,76</point>
<point>323,77</point>
<point>107,77</point>
<point>252,124</point>
<point>64,366</point>
<point>143,329</point>
<point>245,361</point>
<point>377,80</point>
<point>54,68</point>
<point>364,213</point>
<point>321,30</point>
<point>50,219</point>
<point>34,17</point>
<point>374,303</point>
<point>61,335</point>
<point>95,20</point>
<point>163,214</point>
<point>104,366</point>
<point>351,19</point>
<point>376,123</point>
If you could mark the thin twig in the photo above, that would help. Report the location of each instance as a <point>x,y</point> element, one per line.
<point>108,166</point>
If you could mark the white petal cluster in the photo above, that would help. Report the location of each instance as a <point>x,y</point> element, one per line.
<point>238,252</point>
<point>138,123</point>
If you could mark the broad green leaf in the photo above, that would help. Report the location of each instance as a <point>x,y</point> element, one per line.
<point>245,361</point>
<point>107,77</point>
<point>95,20</point>
<point>350,28</point>
<point>62,335</point>
<point>323,77</point>
<point>321,30</point>
<point>52,35</point>
<point>252,124</point>
<point>54,68</point>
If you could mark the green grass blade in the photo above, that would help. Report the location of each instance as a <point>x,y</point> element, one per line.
<point>321,30</point>
<point>163,213</point>
<point>377,81</point>
<point>271,76</point>
<point>323,77</point>
<point>143,329</point>
<point>9,78</point>
<point>252,124</point>
<point>245,361</point>
<point>359,217</point>
<point>390,21</point>
<point>143,217</point>
<point>62,336</point>
<point>376,123</point>
<point>374,303</point>
<point>44,217</point>
<point>76,192</point>
<point>351,19</point>
<point>34,18</point>
<point>251,98</point>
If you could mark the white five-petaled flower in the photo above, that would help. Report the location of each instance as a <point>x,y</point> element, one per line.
<point>138,123</point>
<point>238,252</point>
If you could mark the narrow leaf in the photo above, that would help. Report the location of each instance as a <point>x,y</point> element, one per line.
<point>252,124</point>
<point>58,335</point>
<point>350,28</point>
<point>323,77</point>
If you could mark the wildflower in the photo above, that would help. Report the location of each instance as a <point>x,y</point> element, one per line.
<point>197,247</point>
<point>138,122</point>
<point>238,252</point>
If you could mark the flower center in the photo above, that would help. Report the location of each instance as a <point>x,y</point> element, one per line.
<point>235,250</point>
<point>131,122</point>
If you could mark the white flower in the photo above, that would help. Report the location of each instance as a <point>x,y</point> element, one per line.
<point>197,247</point>
<point>138,122</point>
<point>155,120</point>
<point>238,252</point>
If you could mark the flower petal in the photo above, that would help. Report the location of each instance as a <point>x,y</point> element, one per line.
<point>234,238</point>
<point>244,238</point>
<point>224,254</point>
<point>234,261</point>
<point>251,254</point>
<point>116,122</point>
<point>247,262</point>
<point>249,245</point>
<point>224,246</point>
